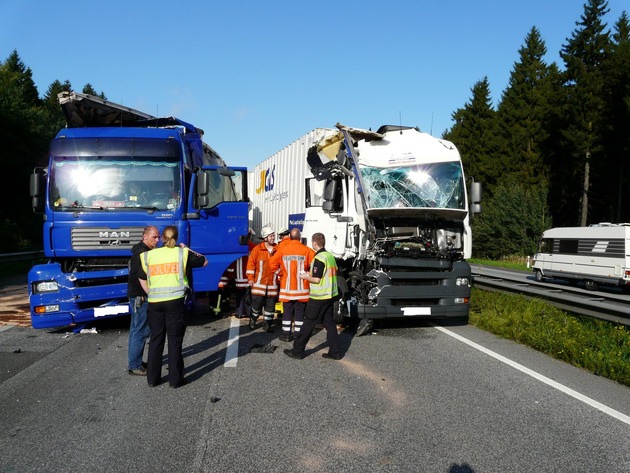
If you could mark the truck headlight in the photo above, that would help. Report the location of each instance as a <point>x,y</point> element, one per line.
<point>462,282</point>
<point>45,286</point>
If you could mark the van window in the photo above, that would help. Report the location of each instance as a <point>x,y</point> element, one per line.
<point>546,245</point>
<point>568,247</point>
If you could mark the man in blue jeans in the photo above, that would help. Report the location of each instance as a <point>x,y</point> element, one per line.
<point>139,328</point>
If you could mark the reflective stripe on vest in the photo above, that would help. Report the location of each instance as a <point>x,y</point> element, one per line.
<point>166,275</point>
<point>327,287</point>
<point>292,287</point>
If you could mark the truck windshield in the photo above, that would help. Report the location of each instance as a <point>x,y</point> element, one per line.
<point>437,185</point>
<point>114,182</point>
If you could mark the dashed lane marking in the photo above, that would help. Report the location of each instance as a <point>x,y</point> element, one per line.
<point>231,352</point>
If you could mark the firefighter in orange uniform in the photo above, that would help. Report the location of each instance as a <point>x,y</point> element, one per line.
<point>290,258</point>
<point>262,281</point>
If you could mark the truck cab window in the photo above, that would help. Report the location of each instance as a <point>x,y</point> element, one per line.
<point>437,185</point>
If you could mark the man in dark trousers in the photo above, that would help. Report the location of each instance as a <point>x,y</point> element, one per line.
<point>319,308</point>
<point>139,328</point>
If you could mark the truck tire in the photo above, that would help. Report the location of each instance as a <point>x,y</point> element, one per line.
<point>538,275</point>
<point>591,285</point>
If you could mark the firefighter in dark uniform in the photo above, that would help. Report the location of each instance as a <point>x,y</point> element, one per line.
<point>163,276</point>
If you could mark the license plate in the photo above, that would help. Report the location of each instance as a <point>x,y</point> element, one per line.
<point>416,311</point>
<point>111,310</point>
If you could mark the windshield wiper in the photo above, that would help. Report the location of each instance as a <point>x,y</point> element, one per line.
<point>75,208</point>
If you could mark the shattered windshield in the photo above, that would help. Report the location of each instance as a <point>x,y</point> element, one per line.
<point>437,185</point>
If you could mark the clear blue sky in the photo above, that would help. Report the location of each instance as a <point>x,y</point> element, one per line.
<point>258,74</point>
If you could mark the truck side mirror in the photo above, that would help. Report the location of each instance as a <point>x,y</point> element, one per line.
<point>475,197</point>
<point>37,188</point>
<point>203,187</point>
<point>330,191</point>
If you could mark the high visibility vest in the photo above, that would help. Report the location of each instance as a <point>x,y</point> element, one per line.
<point>166,273</point>
<point>327,287</point>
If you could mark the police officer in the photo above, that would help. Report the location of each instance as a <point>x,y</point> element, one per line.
<point>163,276</point>
<point>319,308</point>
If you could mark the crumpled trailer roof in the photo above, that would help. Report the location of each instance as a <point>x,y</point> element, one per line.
<point>85,111</point>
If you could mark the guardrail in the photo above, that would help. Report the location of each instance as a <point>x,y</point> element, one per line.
<point>22,256</point>
<point>600,305</point>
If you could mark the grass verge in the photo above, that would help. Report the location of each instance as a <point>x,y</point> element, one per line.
<point>598,346</point>
<point>511,262</point>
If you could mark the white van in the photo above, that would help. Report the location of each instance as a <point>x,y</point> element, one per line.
<point>598,254</point>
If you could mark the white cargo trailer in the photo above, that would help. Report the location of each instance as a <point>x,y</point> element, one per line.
<point>597,254</point>
<point>393,207</point>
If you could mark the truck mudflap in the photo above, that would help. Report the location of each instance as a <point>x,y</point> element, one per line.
<point>415,289</point>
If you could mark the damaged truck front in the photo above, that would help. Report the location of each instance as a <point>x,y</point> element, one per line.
<point>394,209</point>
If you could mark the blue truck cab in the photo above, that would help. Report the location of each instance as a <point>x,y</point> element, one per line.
<point>110,173</point>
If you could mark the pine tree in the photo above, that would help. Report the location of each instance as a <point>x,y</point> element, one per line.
<point>524,112</point>
<point>583,55</point>
<point>24,143</point>
<point>475,135</point>
<point>512,220</point>
<point>56,118</point>
<point>23,86</point>
<point>88,89</point>
<point>617,130</point>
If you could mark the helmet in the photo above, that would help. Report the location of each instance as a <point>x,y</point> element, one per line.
<point>266,231</point>
<point>284,231</point>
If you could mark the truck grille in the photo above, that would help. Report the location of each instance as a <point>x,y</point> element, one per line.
<point>100,238</point>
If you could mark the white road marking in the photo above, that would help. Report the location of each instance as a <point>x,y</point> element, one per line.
<point>231,352</point>
<point>560,387</point>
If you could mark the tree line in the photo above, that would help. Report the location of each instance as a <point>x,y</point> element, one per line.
<point>28,123</point>
<point>554,151</point>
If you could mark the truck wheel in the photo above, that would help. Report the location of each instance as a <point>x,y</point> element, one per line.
<point>538,275</point>
<point>591,285</point>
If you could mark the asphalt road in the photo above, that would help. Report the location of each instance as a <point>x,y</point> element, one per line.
<point>406,398</point>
